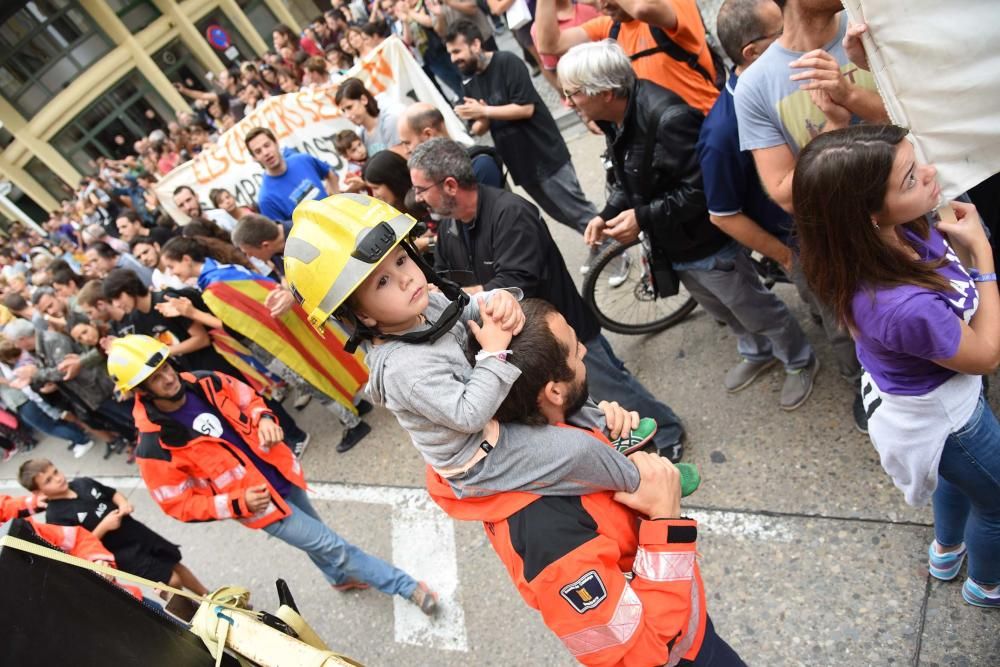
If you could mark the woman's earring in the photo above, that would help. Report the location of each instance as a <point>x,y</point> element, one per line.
<point>875,224</point>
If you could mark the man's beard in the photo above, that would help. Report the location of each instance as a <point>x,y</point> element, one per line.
<point>448,205</point>
<point>577,398</point>
<point>469,67</point>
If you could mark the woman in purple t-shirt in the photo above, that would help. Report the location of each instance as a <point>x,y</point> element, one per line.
<point>920,298</point>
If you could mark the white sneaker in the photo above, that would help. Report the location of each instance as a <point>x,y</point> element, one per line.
<point>80,450</point>
<point>299,448</point>
<point>594,252</point>
<point>620,267</point>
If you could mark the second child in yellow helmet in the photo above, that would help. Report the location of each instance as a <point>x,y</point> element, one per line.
<point>348,257</point>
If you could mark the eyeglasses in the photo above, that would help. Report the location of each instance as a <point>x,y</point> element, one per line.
<point>772,36</point>
<point>568,93</point>
<point>419,191</point>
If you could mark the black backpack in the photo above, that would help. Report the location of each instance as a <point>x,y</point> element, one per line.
<point>476,150</point>
<point>668,46</point>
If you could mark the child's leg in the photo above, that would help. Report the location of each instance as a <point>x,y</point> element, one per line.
<point>187,579</point>
<point>548,460</point>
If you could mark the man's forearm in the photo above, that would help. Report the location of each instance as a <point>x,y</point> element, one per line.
<point>742,228</point>
<point>510,112</point>
<point>655,12</point>
<point>546,26</point>
<point>867,105</point>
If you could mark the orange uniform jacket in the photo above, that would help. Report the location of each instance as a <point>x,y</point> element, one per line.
<point>616,589</point>
<point>195,477</point>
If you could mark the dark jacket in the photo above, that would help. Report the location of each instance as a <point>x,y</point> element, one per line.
<point>509,246</point>
<point>88,389</point>
<point>670,202</point>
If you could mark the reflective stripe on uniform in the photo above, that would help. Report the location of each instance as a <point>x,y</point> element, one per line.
<point>664,566</point>
<point>684,645</point>
<point>68,538</point>
<point>617,631</point>
<point>222,508</point>
<point>229,476</point>
<point>270,509</point>
<point>166,492</point>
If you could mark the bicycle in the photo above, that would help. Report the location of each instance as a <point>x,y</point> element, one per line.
<point>625,299</point>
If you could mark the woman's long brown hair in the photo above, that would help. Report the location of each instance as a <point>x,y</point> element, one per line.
<point>840,182</point>
<point>198,248</point>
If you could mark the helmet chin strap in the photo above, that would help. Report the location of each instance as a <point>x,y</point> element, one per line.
<point>455,294</point>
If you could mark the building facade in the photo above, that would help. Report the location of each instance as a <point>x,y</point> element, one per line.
<point>85,78</point>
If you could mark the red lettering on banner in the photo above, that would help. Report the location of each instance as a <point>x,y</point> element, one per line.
<point>216,155</point>
<point>199,176</point>
<point>288,118</point>
<point>304,98</point>
<point>235,148</point>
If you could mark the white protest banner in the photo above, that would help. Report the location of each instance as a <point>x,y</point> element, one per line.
<point>305,121</point>
<point>937,66</point>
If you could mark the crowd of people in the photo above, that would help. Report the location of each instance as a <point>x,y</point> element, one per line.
<point>109,333</point>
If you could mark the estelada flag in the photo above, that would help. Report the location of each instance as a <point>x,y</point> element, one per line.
<point>236,296</point>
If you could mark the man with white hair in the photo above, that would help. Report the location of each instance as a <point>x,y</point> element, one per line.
<point>651,135</point>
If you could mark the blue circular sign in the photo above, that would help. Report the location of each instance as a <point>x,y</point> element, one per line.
<point>218,37</point>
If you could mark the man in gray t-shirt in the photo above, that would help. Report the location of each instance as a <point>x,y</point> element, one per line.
<point>801,86</point>
<point>778,113</point>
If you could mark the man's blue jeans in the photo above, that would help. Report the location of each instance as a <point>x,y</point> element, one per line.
<point>339,560</point>
<point>967,498</point>
<point>609,380</point>
<point>36,418</point>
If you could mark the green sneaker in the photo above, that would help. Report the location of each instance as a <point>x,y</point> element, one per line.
<point>637,437</point>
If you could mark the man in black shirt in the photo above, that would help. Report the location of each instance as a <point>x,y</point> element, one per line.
<point>490,238</point>
<point>500,97</point>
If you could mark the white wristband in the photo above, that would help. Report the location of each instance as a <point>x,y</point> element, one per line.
<point>499,354</point>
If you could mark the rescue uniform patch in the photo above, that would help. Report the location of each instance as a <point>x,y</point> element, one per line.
<point>585,593</point>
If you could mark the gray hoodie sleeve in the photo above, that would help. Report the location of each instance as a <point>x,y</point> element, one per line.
<point>549,461</point>
<point>461,406</point>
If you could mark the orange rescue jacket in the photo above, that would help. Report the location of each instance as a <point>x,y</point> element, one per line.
<point>615,588</point>
<point>195,477</point>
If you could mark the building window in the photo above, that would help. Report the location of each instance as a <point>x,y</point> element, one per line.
<point>44,46</point>
<point>6,137</point>
<point>48,179</point>
<point>261,16</point>
<point>135,14</point>
<point>179,66</point>
<point>109,127</point>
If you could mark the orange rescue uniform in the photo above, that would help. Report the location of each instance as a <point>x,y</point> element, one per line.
<point>616,589</point>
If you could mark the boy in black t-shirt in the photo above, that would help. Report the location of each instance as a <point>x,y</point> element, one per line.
<point>107,514</point>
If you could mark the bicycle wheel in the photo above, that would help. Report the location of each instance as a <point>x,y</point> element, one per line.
<point>623,298</point>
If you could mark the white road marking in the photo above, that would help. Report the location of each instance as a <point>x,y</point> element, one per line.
<point>423,544</point>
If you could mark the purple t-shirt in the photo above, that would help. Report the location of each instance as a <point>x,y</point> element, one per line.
<point>202,418</point>
<point>901,329</point>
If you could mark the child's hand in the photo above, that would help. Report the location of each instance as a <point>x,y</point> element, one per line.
<point>620,421</point>
<point>112,520</point>
<point>491,336</point>
<point>505,310</point>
